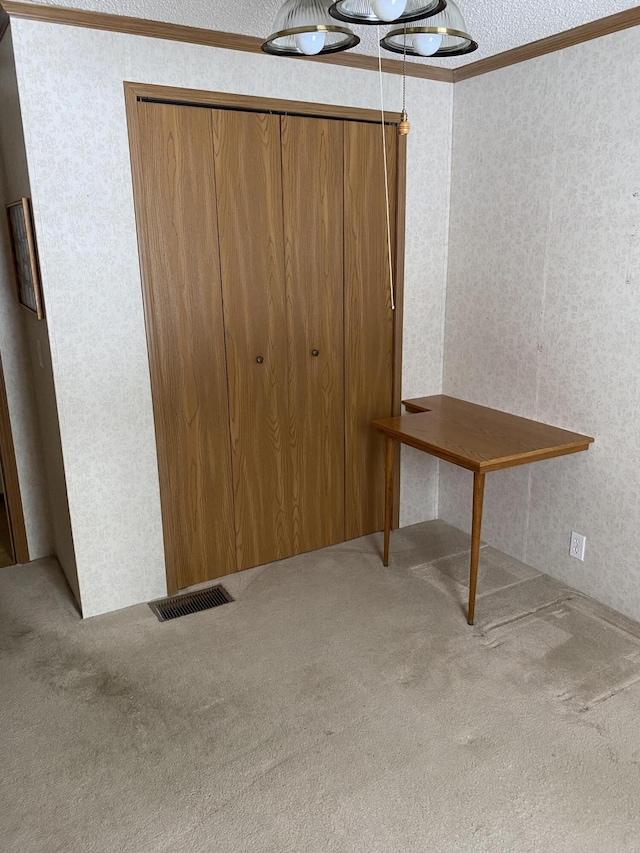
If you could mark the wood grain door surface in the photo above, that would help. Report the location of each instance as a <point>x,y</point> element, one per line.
<point>183,304</point>
<point>368,319</point>
<point>263,244</point>
<point>312,158</point>
<point>249,191</point>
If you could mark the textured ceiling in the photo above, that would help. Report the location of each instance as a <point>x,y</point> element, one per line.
<point>496,25</point>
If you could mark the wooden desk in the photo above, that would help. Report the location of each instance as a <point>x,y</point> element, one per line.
<point>476,438</point>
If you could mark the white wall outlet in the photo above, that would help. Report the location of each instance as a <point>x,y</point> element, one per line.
<point>578,541</point>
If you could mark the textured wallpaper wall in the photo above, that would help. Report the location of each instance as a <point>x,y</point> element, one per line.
<point>543,302</point>
<point>16,323</point>
<point>71,90</point>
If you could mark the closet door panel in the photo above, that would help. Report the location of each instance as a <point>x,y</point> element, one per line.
<point>175,203</point>
<point>312,158</point>
<point>249,193</point>
<point>368,320</point>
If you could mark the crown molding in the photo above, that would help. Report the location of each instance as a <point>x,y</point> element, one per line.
<point>559,41</point>
<point>196,35</point>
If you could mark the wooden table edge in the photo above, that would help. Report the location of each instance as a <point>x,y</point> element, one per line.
<point>485,467</point>
<point>414,410</point>
<point>401,438</point>
<point>535,455</point>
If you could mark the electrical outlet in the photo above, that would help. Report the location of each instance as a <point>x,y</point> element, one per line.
<point>578,541</point>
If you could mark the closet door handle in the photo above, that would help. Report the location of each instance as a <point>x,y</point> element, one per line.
<point>259,359</point>
<point>315,352</point>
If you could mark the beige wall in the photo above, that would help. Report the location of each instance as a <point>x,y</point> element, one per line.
<point>71,90</point>
<point>543,302</point>
<point>16,326</point>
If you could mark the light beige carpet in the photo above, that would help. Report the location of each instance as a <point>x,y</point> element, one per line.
<point>335,706</point>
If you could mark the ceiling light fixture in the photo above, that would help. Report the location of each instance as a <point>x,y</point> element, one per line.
<point>305,28</point>
<point>444,34</point>
<point>381,12</point>
<point>310,28</point>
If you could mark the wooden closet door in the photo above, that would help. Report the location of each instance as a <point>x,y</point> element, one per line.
<point>368,319</point>
<point>312,163</point>
<point>178,238</point>
<point>249,192</point>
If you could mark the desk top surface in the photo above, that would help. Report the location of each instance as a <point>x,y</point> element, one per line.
<point>476,437</point>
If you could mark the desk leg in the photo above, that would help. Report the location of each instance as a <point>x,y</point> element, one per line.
<point>476,526</point>
<point>390,447</point>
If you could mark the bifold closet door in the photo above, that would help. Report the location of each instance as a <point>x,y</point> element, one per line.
<point>178,236</point>
<point>312,163</point>
<point>263,243</point>
<point>368,320</point>
<point>248,171</point>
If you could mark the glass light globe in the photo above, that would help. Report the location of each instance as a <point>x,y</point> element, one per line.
<point>388,10</point>
<point>310,43</point>
<point>426,44</point>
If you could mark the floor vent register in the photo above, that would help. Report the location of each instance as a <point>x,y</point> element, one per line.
<point>190,602</point>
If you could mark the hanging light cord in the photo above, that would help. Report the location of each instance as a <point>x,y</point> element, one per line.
<point>386,181</point>
<point>404,71</point>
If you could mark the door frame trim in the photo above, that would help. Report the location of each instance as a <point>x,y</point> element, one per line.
<point>133,92</point>
<point>249,103</point>
<point>13,497</point>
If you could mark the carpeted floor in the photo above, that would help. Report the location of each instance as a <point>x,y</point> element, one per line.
<point>335,706</point>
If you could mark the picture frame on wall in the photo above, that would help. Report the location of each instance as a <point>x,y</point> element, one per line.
<point>25,257</point>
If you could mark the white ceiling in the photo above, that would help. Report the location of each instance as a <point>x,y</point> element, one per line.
<point>499,25</point>
<point>496,25</point>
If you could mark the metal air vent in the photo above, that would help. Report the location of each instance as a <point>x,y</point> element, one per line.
<point>190,602</point>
